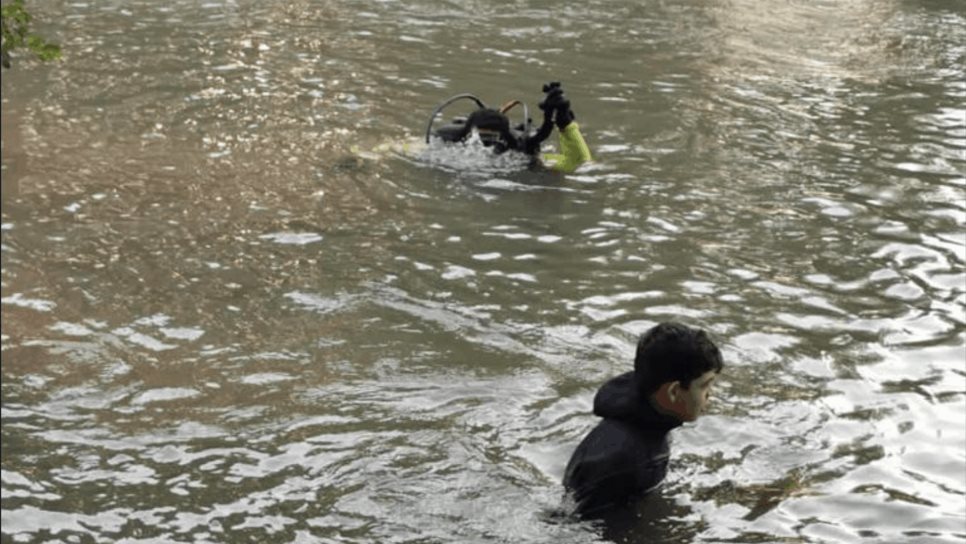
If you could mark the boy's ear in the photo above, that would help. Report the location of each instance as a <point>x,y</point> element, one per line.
<point>673,390</point>
<point>669,392</point>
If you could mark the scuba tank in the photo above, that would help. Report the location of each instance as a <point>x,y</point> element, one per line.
<point>492,125</point>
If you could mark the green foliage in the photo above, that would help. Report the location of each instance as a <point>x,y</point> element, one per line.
<point>15,20</point>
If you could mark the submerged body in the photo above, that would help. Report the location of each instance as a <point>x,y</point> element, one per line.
<point>491,130</point>
<point>573,151</point>
<point>625,456</point>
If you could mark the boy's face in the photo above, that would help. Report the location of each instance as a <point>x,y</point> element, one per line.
<point>699,395</point>
<point>689,404</point>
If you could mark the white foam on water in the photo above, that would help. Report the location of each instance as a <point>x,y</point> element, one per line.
<point>472,156</point>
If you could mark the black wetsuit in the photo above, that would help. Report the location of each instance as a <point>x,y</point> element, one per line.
<point>625,456</point>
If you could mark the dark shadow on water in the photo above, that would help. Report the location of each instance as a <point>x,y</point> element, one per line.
<point>655,519</point>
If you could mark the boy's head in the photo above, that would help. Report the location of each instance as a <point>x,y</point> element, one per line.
<point>675,366</point>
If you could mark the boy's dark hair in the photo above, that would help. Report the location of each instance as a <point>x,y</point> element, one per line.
<point>672,352</point>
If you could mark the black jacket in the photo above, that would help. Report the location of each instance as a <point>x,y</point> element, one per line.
<point>625,456</point>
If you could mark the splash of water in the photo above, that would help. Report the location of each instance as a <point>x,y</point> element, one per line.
<point>472,156</point>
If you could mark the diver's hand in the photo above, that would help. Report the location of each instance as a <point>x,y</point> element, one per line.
<point>554,92</point>
<point>565,115</point>
<point>557,104</point>
<point>549,103</point>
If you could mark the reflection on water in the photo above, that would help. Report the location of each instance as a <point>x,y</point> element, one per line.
<point>222,324</point>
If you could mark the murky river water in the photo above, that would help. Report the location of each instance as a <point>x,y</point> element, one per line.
<point>222,323</point>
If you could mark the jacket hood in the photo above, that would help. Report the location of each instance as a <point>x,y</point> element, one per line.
<point>619,399</point>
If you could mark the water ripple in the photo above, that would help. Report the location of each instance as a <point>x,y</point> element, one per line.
<point>223,323</point>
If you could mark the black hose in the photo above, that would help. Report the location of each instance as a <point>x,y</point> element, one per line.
<point>447,102</point>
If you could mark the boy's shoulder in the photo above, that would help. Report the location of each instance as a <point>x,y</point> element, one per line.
<point>622,439</point>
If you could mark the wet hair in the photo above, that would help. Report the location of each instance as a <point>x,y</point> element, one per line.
<point>672,352</point>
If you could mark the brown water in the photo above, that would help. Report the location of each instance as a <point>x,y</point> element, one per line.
<point>221,324</point>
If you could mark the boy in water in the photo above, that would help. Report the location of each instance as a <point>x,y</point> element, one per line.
<point>625,456</point>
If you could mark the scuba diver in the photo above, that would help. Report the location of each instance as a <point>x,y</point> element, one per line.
<point>495,131</point>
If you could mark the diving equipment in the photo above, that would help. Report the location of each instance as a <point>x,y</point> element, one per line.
<point>492,125</point>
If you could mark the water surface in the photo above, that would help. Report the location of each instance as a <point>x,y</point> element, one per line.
<point>224,320</point>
